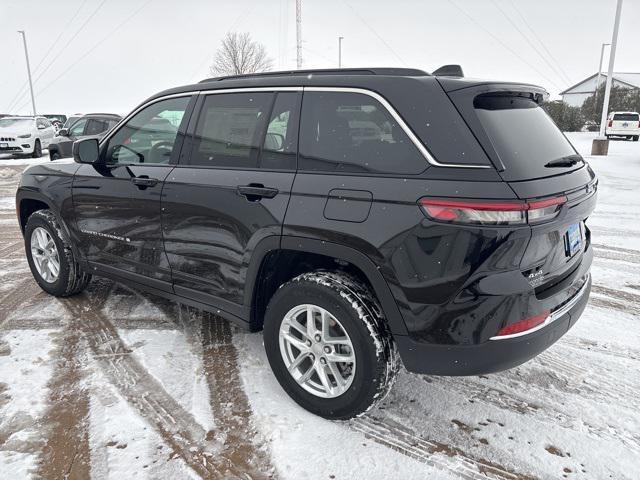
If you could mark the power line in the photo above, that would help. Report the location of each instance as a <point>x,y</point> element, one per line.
<point>504,45</point>
<point>22,90</point>
<point>505,15</point>
<point>355,12</point>
<point>558,64</point>
<point>96,45</point>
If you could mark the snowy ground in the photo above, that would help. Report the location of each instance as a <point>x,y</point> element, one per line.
<point>118,384</point>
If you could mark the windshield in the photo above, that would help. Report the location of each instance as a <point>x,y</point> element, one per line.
<point>523,135</point>
<point>15,122</point>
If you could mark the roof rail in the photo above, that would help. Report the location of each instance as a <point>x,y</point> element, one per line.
<point>414,72</point>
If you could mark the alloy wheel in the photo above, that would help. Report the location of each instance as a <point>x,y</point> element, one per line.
<point>45,255</point>
<point>317,351</point>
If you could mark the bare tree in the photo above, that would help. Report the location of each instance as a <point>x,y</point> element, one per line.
<point>240,54</point>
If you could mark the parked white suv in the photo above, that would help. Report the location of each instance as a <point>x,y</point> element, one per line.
<point>623,124</point>
<point>25,135</point>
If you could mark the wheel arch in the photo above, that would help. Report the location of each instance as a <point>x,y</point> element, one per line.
<point>276,260</point>
<point>27,203</point>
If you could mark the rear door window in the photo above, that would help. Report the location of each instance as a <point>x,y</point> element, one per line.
<point>524,137</point>
<point>95,126</point>
<point>354,133</point>
<point>230,130</point>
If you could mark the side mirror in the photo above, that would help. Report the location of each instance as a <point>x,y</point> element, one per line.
<point>274,141</point>
<point>86,151</point>
<point>63,132</point>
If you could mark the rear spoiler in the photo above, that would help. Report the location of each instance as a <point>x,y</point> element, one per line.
<point>449,71</point>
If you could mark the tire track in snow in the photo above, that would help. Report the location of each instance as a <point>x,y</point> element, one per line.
<point>229,403</point>
<point>25,290</point>
<point>617,253</point>
<point>475,391</point>
<point>438,455</point>
<point>66,451</point>
<point>177,427</point>
<point>202,451</point>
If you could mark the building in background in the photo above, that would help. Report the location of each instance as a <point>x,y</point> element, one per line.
<point>577,94</point>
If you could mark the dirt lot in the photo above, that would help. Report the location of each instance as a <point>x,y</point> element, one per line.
<point>117,384</point>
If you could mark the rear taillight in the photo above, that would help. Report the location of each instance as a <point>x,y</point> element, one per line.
<point>492,212</point>
<point>611,123</point>
<point>523,326</point>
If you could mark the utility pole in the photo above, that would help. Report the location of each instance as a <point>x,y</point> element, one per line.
<point>340,51</point>
<point>299,34</point>
<point>26,54</point>
<point>600,145</point>
<point>595,93</point>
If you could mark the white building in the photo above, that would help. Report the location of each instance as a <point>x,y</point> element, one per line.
<point>577,94</point>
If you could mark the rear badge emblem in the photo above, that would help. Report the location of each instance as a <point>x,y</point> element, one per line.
<point>536,279</point>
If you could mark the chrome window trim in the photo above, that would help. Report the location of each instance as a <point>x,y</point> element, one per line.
<point>396,116</point>
<point>553,316</point>
<point>392,111</point>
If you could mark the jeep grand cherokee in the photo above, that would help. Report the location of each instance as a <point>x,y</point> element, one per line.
<point>351,215</point>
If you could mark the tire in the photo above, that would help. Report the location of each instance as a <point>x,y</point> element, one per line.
<point>37,149</point>
<point>353,309</point>
<point>636,137</point>
<point>71,279</point>
<point>54,155</point>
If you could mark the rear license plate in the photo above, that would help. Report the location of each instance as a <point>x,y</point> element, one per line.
<point>573,239</point>
<point>4,145</point>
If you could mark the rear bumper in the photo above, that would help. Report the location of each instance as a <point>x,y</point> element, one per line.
<point>622,133</point>
<point>493,355</point>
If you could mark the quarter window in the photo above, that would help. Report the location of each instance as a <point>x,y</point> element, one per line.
<point>230,130</point>
<point>354,133</point>
<point>150,135</point>
<point>281,140</point>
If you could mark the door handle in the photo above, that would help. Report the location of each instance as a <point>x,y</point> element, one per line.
<point>144,182</point>
<point>255,191</point>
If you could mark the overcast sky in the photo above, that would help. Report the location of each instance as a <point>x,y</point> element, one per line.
<point>108,56</point>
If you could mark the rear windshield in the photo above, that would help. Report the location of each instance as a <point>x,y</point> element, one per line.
<point>629,117</point>
<point>524,136</point>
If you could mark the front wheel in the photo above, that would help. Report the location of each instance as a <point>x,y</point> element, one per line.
<point>50,257</point>
<point>636,137</point>
<point>328,344</point>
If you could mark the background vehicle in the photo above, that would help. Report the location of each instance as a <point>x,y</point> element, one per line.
<point>623,124</point>
<point>57,120</point>
<point>351,215</point>
<point>71,119</point>
<point>92,124</point>
<point>25,135</point>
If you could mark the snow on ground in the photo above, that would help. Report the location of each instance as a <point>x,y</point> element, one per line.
<point>119,384</point>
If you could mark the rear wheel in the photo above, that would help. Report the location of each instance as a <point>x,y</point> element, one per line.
<point>50,257</point>
<point>54,155</point>
<point>636,137</point>
<point>328,345</point>
<point>37,149</point>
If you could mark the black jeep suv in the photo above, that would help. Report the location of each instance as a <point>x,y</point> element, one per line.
<point>349,214</point>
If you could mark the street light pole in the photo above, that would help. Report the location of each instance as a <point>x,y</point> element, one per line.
<point>26,54</point>
<point>298,34</point>
<point>601,144</point>
<point>340,51</point>
<point>595,93</point>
